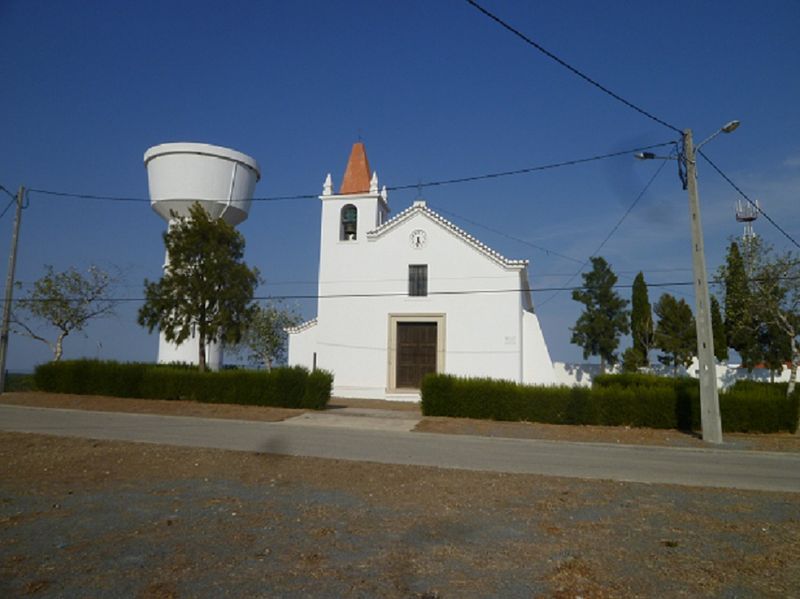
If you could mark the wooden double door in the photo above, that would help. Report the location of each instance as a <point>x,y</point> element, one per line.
<point>416,352</point>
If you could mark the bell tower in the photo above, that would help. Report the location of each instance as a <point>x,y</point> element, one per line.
<point>347,216</point>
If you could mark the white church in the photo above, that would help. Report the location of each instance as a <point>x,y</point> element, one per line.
<point>402,297</point>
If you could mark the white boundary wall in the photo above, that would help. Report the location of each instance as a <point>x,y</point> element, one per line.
<point>727,374</point>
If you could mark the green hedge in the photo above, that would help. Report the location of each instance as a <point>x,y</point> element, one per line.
<point>17,381</point>
<point>752,406</point>
<point>671,403</point>
<point>282,387</point>
<point>638,379</point>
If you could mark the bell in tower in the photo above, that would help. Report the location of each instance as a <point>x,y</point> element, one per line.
<point>349,227</point>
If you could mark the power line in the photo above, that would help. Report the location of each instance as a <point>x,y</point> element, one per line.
<point>405,279</point>
<point>508,236</point>
<point>744,195</point>
<point>387,294</point>
<point>611,232</point>
<point>11,203</point>
<point>569,67</point>
<point>527,170</point>
<point>470,179</point>
<point>405,293</point>
<point>11,195</point>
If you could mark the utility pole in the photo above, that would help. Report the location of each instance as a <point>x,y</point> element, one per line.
<point>12,265</point>
<point>709,397</point>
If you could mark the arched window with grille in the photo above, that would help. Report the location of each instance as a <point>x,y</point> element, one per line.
<point>349,223</point>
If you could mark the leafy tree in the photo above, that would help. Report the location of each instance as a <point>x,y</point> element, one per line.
<point>604,318</point>
<point>632,360</point>
<point>641,323</point>
<point>65,301</point>
<point>206,287</point>
<point>264,340</point>
<point>765,308</point>
<point>718,329</point>
<point>774,347</point>
<point>775,289</point>
<point>675,333</point>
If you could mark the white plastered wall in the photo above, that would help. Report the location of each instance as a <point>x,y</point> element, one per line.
<point>537,365</point>
<point>364,282</point>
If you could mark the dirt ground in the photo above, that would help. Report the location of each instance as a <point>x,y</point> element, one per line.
<point>524,430</point>
<point>109,519</point>
<point>81,517</point>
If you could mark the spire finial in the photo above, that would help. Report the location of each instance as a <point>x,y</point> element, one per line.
<point>373,183</point>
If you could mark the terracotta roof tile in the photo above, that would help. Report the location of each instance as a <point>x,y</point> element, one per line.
<point>357,175</point>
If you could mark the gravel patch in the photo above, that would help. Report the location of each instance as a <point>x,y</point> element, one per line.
<point>106,519</point>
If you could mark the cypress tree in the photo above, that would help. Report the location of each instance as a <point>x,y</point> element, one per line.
<point>675,334</point>
<point>718,328</point>
<point>641,322</point>
<point>740,332</point>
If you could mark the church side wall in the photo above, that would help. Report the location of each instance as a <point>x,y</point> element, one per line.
<point>302,346</point>
<point>537,368</point>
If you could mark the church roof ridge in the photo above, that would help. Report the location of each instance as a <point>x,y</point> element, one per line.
<point>421,207</point>
<point>301,327</point>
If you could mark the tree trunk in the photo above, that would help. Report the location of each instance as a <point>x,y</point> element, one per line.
<point>59,348</point>
<point>602,365</point>
<point>790,390</point>
<point>201,359</point>
<point>795,359</point>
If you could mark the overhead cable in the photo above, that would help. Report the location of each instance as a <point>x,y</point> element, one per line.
<point>569,67</point>
<point>405,293</point>
<point>610,233</point>
<point>11,203</point>
<point>11,195</point>
<point>441,182</point>
<point>367,295</point>
<point>751,202</point>
<point>508,236</point>
<point>531,169</point>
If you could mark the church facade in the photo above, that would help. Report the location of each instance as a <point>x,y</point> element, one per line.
<point>402,297</point>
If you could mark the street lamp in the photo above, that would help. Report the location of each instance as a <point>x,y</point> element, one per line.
<point>709,397</point>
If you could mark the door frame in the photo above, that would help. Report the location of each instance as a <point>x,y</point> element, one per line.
<point>439,319</point>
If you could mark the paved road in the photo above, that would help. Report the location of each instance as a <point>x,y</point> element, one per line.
<point>696,467</point>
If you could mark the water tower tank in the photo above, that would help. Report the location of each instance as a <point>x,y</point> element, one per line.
<point>221,179</point>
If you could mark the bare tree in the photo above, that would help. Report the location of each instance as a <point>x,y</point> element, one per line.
<point>264,342</point>
<point>65,301</point>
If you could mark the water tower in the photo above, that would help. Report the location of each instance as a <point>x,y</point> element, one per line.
<point>222,181</point>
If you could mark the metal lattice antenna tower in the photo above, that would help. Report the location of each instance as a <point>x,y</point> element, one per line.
<point>747,213</point>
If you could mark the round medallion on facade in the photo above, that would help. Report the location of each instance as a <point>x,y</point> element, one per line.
<point>418,239</point>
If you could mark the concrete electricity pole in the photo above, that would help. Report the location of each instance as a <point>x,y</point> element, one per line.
<point>709,397</point>
<point>12,265</point>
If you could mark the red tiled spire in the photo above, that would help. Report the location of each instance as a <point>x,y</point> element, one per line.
<point>357,175</point>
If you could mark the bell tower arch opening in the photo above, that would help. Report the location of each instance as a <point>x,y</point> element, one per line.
<point>348,223</point>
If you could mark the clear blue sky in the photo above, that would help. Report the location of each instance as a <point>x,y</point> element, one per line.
<point>435,90</point>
